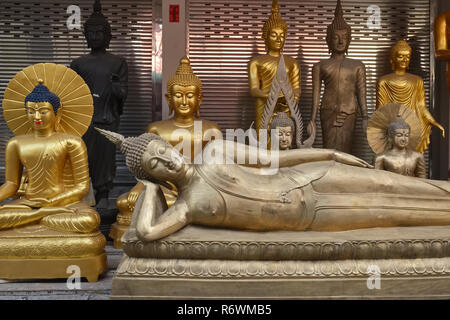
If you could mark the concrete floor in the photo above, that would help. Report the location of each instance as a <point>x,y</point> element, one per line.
<point>58,289</point>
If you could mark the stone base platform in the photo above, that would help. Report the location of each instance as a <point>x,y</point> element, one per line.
<point>202,263</point>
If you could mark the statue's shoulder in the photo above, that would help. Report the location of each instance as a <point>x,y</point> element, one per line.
<point>386,78</point>
<point>157,126</point>
<point>114,57</point>
<point>291,61</point>
<point>207,124</point>
<point>414,78</point>
<point>355,63</point>
<point>69,139</point>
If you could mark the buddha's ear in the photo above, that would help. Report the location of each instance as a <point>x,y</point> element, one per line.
<point>167,95</point>
<point>200,99</point>
<point>58,117</point>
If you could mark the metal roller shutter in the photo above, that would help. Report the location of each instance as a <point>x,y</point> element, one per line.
<point>225,34</point>
<point>36,31</point>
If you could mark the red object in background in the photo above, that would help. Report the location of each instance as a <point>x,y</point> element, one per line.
<point>174,13</point>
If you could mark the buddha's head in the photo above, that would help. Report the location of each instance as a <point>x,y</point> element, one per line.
<point>149,157</point>
<point>97,29</point>
<point>286,130</point>
<point>274,30</point>
<point>400,56</point>
<point>398,134</point>
<point>339,33</point>
<point>41,107</point>
<point>184,91</point>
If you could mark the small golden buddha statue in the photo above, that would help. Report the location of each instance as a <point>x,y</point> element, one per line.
<point>184,95</point>
<point>442,40</point>
<point>262,69</point>
<point>55,227</point>
<point>407,89</point>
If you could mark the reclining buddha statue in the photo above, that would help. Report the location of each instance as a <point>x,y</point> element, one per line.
<point>49,227</point>
<point>314,189</point>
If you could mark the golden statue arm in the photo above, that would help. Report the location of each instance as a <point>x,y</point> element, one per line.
<point>424,110</point>
<point>382,95</point>
<point>255,157</point>
<point>80,170</point>
<point>294,79</point>
<point>152,225</point>
<point>13,171</point>
<point>253,81</point>
<point>317,83</point>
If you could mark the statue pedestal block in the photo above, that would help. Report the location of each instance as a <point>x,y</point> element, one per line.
<point>202,263</point>
<point>37,252</point>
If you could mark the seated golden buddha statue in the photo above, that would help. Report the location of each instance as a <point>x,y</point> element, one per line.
<point>407,89</point>
<point>262,69</point>
<point>442,41</point>
<point>184,129</point>
<point>49,227</point>
<point>314,189</point>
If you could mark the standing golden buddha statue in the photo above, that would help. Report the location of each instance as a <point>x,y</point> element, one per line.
<point>406,89</point>
<point>262,69</point>
<point>184,95</point>
<point>442,41</point>
<point>49,227</point>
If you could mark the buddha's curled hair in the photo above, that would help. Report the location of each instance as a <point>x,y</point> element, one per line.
<point>133,148</point>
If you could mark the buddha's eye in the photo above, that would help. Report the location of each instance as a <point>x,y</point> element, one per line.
<point>178,95</point>
<point>190,95</point>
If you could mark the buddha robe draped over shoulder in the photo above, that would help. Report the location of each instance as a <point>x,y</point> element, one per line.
<point>408,90</point>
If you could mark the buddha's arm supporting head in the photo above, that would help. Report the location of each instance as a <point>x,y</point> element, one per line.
<point>184,91</point>
<point>339,33</point>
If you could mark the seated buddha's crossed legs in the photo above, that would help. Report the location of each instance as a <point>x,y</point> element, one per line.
<point>77,217</point>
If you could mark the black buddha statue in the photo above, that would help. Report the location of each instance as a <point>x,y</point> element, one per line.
<point>106,75</point>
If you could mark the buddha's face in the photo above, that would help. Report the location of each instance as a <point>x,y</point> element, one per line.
<point>285,135</point>
<point>96,37</point>
<point>401,59</point>
<point>184,100</point>
<point>275,39</point>
<point>41,115</point>
<point>162,161</point>
<point>339,41</point>
<point>400,138</point>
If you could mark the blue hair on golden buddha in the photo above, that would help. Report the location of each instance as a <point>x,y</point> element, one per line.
<point>41,93</point>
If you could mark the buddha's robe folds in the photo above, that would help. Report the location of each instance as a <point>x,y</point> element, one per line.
<point>408,90</point>
<point>266,66</point>
<point>59,174</point>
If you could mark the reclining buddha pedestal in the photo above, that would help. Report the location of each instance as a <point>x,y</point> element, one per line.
<point>204,263</point>
<point>325,225</point>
